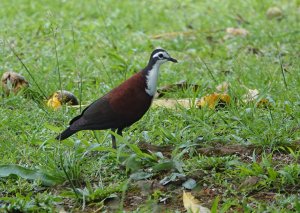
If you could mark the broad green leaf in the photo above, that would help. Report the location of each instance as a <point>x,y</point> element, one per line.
<point>168,165</point>
<point>170,178</point>
<point>189,184</point>
<point>140,153</point>
<point>140,175</point>
<point>133,164</point>
<point>214,207</point>
<point>52,128</point>
<point>117,57</point>
<point>102,149</point>
<point>30,174</point>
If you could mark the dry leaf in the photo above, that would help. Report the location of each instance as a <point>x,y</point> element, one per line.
<point>154,148</point>
<point>223,87</point>
<point>264,103</point>
<point>233,32</point>
<point>62,210</point>
<point>237,31</point>
<point>13,82</point>
<point>254,50</point>
<point>174,87</point>
<point>221,150</point>
<point>173,103</point>
<point>251,95</point>
<point>171,35</point>
<point>250,182</point>
<point>61,97</point>
<point>214,100</point>
<point>274,12</point>
<point>191,204</point>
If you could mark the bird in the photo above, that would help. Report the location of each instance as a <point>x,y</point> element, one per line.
<point>123,105</point>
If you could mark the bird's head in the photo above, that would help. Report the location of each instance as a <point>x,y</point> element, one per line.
<point>160,56</point>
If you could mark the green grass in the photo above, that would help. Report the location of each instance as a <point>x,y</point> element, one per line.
<point>102,43</point>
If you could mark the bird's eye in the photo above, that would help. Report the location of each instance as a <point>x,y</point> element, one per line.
<point>160,56</point>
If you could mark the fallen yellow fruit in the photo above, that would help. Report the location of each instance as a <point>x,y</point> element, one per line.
<point>214,100</point>
<point>61,97</point>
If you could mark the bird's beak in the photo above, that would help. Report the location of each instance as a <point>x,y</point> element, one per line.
<point>173,60</point>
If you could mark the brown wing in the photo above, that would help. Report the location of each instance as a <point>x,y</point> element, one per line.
<point>130,100</point>
<point>120,108</point>
<point>96,116</point>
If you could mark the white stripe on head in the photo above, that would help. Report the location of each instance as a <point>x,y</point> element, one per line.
<point>163,53</point>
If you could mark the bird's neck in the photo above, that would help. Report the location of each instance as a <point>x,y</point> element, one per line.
<point>151,75</point>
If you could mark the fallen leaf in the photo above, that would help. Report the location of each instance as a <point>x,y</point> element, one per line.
<point>61,97</point>
<point>254,50</point>
<point>189,184</point>
<point>264,103</point>
<point>251,95</point>
<point>13,82</point>
<point>172,103</point>
<point>218,149</point>
<point>140,175</point>
<point>46,178</point>
<point>250,182</point>
<point>234,32</point>
<point>147,187</point>
<point>171,35</point>
<point>62,210</point>
<point>191,204</point>
<point>214,100</point>
<point>223,87</point>
<point>221,150</point>
<point>151,148</point>
<point>172,178</point>
<point>265,196</point>
<point>174,87</point>
<point>274,12</point>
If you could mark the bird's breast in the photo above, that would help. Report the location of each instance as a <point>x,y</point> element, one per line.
<point>151,80</point>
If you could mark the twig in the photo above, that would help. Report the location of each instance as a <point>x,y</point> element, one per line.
<point>171,35</point>
<point>107,34</point>
<point>282,71</point>
<point>68,177</point>
<point>57,61</point>
<point>209,70</point>
<point>76,68</point>
<point>106,71</point>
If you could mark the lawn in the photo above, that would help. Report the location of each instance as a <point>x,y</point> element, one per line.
<point>243,157</point>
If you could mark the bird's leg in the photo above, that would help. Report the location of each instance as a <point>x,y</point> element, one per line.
<point>113,138</point>
<point>119,132</point>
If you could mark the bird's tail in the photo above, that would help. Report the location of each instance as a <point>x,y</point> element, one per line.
<point>65,134</point>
